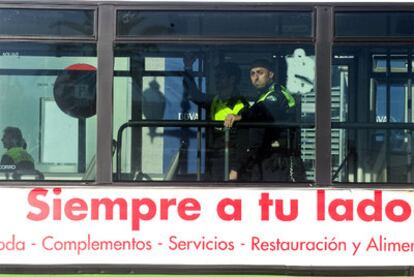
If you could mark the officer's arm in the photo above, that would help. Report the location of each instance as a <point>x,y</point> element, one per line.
<point>191,89</point>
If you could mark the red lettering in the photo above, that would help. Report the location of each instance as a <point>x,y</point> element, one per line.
<point>109,208</point>
<point>321,204</point>
<point>36,203</point>
<point>189,205</point>
<point>228,202</point>
<point>293,210</point>
<point>57,205</point>
<point>347,215</point>
<point>165,204</point>
<point>406,210</point>
<point>265,204</point>
<point>137,215</point>
<point>376,204</point>
<point>76,205</point>
<point>145,209</point>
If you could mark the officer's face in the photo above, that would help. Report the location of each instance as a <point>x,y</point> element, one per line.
<point>260,77</point>
<point>6,141</point>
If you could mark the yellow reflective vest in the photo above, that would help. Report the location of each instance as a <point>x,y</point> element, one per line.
<point>18,154</point>
<point>290,100</point>
<point>219,109</point>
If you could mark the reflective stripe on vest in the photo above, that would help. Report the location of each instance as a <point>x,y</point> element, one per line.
<point>18,154</point>
<point>219,109</point>
<point>290,100</point>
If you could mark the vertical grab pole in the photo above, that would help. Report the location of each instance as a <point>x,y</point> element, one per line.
<point>199,133</point>
<point>226,153</point>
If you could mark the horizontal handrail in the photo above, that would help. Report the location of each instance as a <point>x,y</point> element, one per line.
<point>209,123</point>
<point>193,123</point>
<point>373,125</point>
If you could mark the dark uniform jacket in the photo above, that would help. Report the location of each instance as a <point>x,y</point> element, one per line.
<point>272,154</point>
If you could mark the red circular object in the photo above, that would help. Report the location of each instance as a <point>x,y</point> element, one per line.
<point>81,66</point>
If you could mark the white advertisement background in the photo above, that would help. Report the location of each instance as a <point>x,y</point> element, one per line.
<point>14,207</point>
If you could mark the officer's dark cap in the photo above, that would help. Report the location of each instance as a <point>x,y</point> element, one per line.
<point>262,63</point>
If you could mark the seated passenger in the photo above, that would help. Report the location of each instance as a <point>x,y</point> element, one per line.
<point>270,155</point>
<point>225,100</point>
<point>16,156</point>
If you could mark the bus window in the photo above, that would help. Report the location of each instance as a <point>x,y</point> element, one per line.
<point>160,84</point>
<point>47,22</point>
<point>372,95</point>
<point>374,24</point>
<point>48,92</point>
<point>214,23</point>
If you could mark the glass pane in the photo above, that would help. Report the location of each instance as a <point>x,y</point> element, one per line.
<point>339,92</point>
<point>367,97</point>
<point>46,22</point>
<point>374,156</point>
<point>397,24</point>
<point>381,102</point>
<point>213,23</point>
<point>399,64</point>
<point>201,84</point>
<point>47,111</point>
<point>398,105</point>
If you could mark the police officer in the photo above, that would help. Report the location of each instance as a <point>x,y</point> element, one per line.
<point>16,155</point>
<point>226,100</point>
<point>272,154</point>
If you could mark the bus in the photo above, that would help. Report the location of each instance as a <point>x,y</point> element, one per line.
<point>206,138</point>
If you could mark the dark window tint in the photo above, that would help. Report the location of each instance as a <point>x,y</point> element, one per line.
<point>211,23</point>
<point>30,22</point>
<point>374,24</point>
<point>195,83</point>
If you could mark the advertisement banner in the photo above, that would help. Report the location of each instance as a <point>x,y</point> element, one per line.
<point>206,226</point>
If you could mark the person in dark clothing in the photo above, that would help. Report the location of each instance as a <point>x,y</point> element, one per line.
<point>272,154</point>
<point>16,156</point>
<point>226,100</point>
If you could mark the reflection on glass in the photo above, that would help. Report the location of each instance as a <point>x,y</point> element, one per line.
<point>379,63</point>
<point>49,92</point>
<point>381,103</point>
<point>397,63</point>
<point>398,99</point>
<point>364,151</point>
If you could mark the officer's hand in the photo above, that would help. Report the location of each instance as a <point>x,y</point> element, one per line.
<point>230,119</point>
<point>233,175</point>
